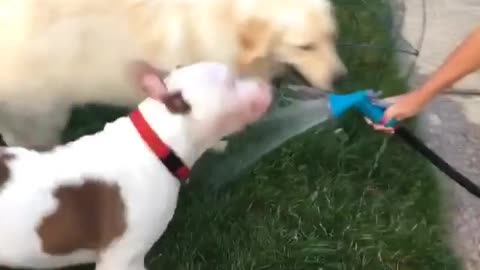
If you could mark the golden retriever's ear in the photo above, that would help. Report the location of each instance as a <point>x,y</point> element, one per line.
<point>255,39</point>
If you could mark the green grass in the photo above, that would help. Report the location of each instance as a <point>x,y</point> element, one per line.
<point>367,202</point>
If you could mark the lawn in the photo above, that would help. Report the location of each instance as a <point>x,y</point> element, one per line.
<point>359,201</point>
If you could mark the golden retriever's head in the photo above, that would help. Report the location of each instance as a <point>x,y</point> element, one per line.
<point>300,33</point>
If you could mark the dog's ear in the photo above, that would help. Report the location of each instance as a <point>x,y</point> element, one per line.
<point>255,40</point>
<point>175,103</point>
<point>148,78</point>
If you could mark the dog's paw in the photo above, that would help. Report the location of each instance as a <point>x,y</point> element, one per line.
<point>220,147</point>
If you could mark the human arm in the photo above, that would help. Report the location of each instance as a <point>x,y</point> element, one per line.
<point>462,61</point>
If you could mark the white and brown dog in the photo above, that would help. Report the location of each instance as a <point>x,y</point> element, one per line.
<point>106,198</point>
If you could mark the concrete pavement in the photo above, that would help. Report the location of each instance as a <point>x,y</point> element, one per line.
<point>451,124</point>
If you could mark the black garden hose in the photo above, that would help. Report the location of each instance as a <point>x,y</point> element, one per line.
<point>436,160</point>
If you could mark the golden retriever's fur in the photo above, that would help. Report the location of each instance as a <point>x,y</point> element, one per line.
<point>58,53</point>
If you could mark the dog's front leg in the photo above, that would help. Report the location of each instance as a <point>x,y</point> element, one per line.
<point>220,147</point>
<point>38,127</point>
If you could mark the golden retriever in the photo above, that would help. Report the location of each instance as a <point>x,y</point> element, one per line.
<point>59,53</point>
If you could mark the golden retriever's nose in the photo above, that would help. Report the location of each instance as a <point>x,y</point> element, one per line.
<point>339,77</point>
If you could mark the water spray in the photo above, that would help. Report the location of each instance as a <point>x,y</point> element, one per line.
<point>284,123</point>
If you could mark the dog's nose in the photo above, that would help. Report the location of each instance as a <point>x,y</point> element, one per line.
<point>339,78</point>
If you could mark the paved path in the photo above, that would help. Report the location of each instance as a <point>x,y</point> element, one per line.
<point>451,124</point>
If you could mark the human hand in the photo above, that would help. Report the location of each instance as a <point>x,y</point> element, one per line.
<point>399,108</point>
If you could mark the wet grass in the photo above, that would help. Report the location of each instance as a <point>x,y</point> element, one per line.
<point>362,201</point>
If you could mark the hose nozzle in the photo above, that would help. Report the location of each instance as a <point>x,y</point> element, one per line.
<point>365,101</point>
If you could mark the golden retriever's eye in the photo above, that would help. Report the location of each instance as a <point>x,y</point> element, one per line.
<point>307,47</point>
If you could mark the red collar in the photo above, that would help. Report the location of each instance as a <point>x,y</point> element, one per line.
<point>168,157</point>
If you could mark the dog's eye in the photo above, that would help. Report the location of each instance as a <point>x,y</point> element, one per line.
<point>307,47</point>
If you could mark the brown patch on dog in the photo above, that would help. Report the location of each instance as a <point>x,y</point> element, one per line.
<point>175,103</point>
<point>89,216</point>
<point>4,169</point>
